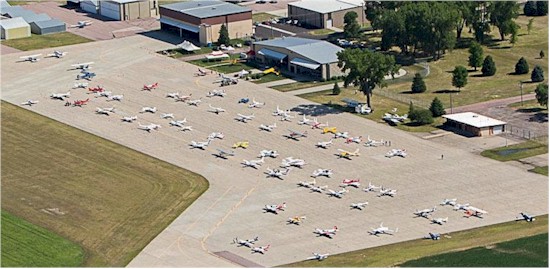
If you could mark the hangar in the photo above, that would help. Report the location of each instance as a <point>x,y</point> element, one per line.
<point>39,23</point>
<point>316,58</point>
<point>14,28</point>
<point>202,20</point>
<point>475,124</point>
<point>120,10</point>
<point>325,13</point>
<point>48,27</point>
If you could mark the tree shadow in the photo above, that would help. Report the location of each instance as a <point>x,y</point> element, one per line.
<point>515,74</point>
<point>479,76</point>
<point>530,110</point>
<point>447,91</point>
<point>320,110</point>
<point>540,117</point>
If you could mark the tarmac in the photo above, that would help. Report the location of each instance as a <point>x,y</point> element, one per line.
<point>232,207</point>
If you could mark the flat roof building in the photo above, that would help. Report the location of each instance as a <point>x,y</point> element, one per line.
<point>202,20</point>
<point>475,124</point>
<point>14,28</point>
<point>48,27</point>
<point>325,13</point>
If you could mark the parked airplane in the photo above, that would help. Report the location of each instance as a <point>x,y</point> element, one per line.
<point>253,163</point>
<point>80,103</point>
<point>150,127</point>
<point>96,89</point>
<point>451,202</point>
<point>343,135</point>
<point>200,145</point>
<point>214,135</point>
<point>195,102</point>
<point>475,212</point>
<point>327,233</point>
<point>439,221</point>
<point>183,98</point>
<point>241,144</point>
<point>295,135</point>
<point>57,54</point>
<point>60,96</point>
<point>268,128</point>
<point>394,119</point>
<point>83,85</point>
<point>359,206</point>
<point>382,230</point>
<point>318,256</point>
<point>178,123</point>
<point>247,243</point>
<point>317,125</point>
<point>324,144</point>
<point>220,93</point>
<point>387,192</point>
<point>526,217</point>
<point>31,58</point>
<point>425,213</point>
<point>433,236</point>
<point>103,94</point>
<point>319,189</point>
<point>322,172</point>
<point>201,73</point>
<point>347,154</point>
<point>105,111</point>
<point>337,194</point>
<point>268,153</point>
<point>148,109</point>
<point>216,110</point>
<point>305,121</point>
<point>224,153</point>
<point>29,103</point>
<point>83,66</point>
<point>374,143</point>
<point>118,97</point>
<point>261,250</point>
<point>461,206</point>
<point>277,173</point>
<point>244,118</point>
<point>150,86</point>
<point>371,187</point>
<point>296,220</point>
<point>350,183</point>
<point>173,95</point>
<point>356,139</point>
<point>280,112</point>
<point>331,130</point>
<point>306,184</point>
<point>255,104</point>
<point>289,161</point>
<point>81,24</point>
<point>396,152</point>
<point>274,208</point>
<point>167,115</point>
<point>286,117</point>
<point>85,75</point>
<point>129,119</point>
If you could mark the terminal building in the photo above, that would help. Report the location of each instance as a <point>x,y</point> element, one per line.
<point>325,13</point>
<point>475,124</point>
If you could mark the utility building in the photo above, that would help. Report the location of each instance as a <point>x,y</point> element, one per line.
<point>48,27</point>
<point>325,13</point>
<point>475,124</point>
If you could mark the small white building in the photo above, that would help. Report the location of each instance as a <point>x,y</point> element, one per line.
<point>476,124</point>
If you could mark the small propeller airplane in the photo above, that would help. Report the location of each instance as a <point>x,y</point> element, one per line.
<point>200,145</point>
<point>167,115</point>
<point>60,96</point>
<point>201,73</point>
<point>464,207</point>
<point>150,87</point>
<point>319,189</point>
<point>295,135</point>
<point>183,98</point>
<point>148,109</point>
<point>216,110</point>
<point>307,184</point>
<point>105,111</point>
<point>31,58</point>
<point>150,127</point>
<point>374,143</point>
<point>261,250</point>
<point>305,120</point>
<point>425,213</point>
<point>343,135</point>
<point>195,102</point>
<point>83,66</point>
<point>29,103</point>
<point>268,153</point>
<point>322,172</point>
<point>86,75</point>
<point>338,194</point>
<point>396,152</point>
<point>223,154</point>
<point>253,163</point>
<point>173,95</point>
<point>241,144</point>
<point>371,187</point>
<point>439,221</point>
<point>178,123</point>
<point>286,117</point>
<point>382,230</point>
<point>356,139</point>
<point>268,128</point>
<point>350,183</point>
<point>331,130</point>
<point>318,256</point>
<point>214,135</point>
<point>186,128</point>
<point>103,94</point>
<point>317,125</point>
<point>324,145</point>
<point>326,233</point>
<point>274,208</point>
<point>289,161</point>
<point>129,118</point>
<point>96,89</point>
<point>474,212</point>
<point>81,24</point>
<point>359,206</point>
<point>280,112</point>
<point>347,154</point>
<point>387,192</point>
<point>57,54</point>
<point>83,85</point>
<point>219,93</point>
<point>244,118</point>
<point>296,220</point>
<point>80,103</point>
<point>118,97</point>
<point>433,236</point>
<point>255,104</point>
<point>451,202</point>
<point>526,217</point>
<point>277,173</point>
<point>246,243</point>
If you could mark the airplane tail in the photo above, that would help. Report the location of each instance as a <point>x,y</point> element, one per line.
<point>396,230</point>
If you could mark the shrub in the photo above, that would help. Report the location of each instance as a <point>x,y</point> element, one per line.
<point>422,116</point>
<point>542,94</point>
<point>522,67</point>
<point>336,89</point>
<point>437,108</point>
<point>537,75</point>
<point>489,68</point>
<point>418,85</point>
<point>322,80</point>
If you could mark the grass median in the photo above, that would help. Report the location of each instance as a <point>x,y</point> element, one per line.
<point>35,42</point>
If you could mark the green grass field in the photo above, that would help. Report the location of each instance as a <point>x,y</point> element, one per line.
<point>524,252</point>
<point>111,200</point>
<point>268,78</point>
<point>515,152</point>
<point>543,170</point>
<point>395,254</point>
<point>27,245</point>
<point>45,41</point>
<point>261,17</point>
<point>300,85</point>
<point>321,32</point>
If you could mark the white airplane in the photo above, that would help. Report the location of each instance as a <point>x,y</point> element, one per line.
<point>350,183</point>
<point>371,187</point>
<point>255,104</point>
<point>195,102</point>
<point>149,127</point>
<point>475,212</point>
<point>356,139</point>
<point>286,117</point>
<point>268,153</point>
<point>105,111</point>
<point>306,184</point>
<point>526,217</point>
<point>280,112</point>
<point>216,93</point>
<point>277,173</point>
<point>305,121</point>
<point>318,256</point>
<point>274,208</point>
<point>382,230</point>
<point>324,144</point>
<point>347,154</point>
<point>387,192</point>
<point>451,202</point>
<point>253,163</point>
<point>82,66</point>
<point>322,172</point>
<point>148,109</point>
<point>287,162</point>
<point>327,233</point>
<point>86,75</point>
<point>178,123</point>
<point>31,58</point>
<point>224,153</point>
<point>425,213</point>
<point>57,54</point>
<point>338,194</point>
<point>216,110</point>
<point>200,145</point>
<point>396,152</point>
<point>439,221</point>
<point>60,96</point>
<point>214,135</point>
<point>115,97</point>
<point>29,103</point>
<point>359,206</point>
<point>319,189</point>
<point>247,243</point>
<point>268,128</point>
<point>461,206</point>
<point>244,118</point>
<point>296,220</point>
<point>261,250</point>
<point>81,24</point>
<point>374,143</point>
<point>343,135</point>
<point>129,119</point>
<point>201,73</point>
<point>184,98</point>
<point>173,95</point>
<point>167,115</point>
<point>103,94</point>
<point>83,85</point>
<point>295,135</point>
<point>186,128</point>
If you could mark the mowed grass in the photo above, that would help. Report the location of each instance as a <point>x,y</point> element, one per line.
<point>395,254</point>
<point>27,245</point>
<point>524,252</point>
<point>301,85</point>
<point>35,42</point>
<point>268,78</point>
<point>543,170</point>
<point>111,200</point>
<point>516,152</point>
<point>261,17</point>
<point>223,66</point>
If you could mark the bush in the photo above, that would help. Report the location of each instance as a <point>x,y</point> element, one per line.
<point>542,94</point>
<point>336,89</point>
<point>537,75</point>
<point>489,68</point>
<point>437,108</point>
<point>418,85</point>
<point>422,116</point>
<point>522,67</point>
<point>322,80</point>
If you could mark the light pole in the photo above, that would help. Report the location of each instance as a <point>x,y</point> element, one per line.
<point>521,91</point>
<point>451,97</point>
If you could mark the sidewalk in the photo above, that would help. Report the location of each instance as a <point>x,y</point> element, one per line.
<point>278,82</point>
<point>316,89</point>
<point>493,103</point>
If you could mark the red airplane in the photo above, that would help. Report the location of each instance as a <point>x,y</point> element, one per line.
<point>350,183</point>
<point>80,103</point>
<point>96,89</point>
<point>150,87</point>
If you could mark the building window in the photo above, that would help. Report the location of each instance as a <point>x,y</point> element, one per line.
<point>155,4</point>
<point>330,16</point>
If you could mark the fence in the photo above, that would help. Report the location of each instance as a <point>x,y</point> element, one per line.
<point>526,134</point>
<point>401,98</point>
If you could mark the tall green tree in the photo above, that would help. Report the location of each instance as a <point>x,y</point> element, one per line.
<point>514,29</point>
<point>418,85</point>
<point>542,94</point>
<point>538,74</point>
<point>476,55</point>
<point>224,36</point>
<point>365,69</point>
<point>489,68</point>
<point>460,77</point>
<point>466,11</point>
<point>522,67</point>
<point>351,27</point>
<point>436,107</point>
<point>502,15</point>
<point>530,25</point>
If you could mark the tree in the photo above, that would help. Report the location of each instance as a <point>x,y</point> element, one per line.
<point>502,15</point>
<point>542,94</point>
<point>489,68</point>
<point>522,67</point>
<point>541,54</point>
<point>224,36</point>
<point>542,8</point>
<point>466,11</point>
<point>530,25</point>
<point>365,69</point>
<point>437,108</point>
<point>336,89</point>
<point>538,74</point>
<point>421,116</point>
<point>418,85</point>
<point>476,55</point>
<point>530,8</point>
<point>514,28</point>
<point>351,27</point>
<point>411,109</point>
<point>460,77</point>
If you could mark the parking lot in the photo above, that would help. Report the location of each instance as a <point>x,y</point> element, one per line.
<point>233,204</point>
